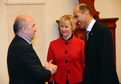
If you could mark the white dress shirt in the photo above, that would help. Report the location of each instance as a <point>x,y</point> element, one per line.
<point>91,25</point>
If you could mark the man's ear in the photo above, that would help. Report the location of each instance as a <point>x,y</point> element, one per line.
<point>24,29</point>
<point>86,12</point>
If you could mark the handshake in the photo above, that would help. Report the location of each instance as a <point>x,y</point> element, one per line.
<point>51,67</point>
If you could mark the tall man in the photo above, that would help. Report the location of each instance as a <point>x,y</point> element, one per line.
<point>99,61</point>
<point>24,66</point>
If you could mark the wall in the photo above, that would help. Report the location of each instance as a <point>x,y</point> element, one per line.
<point>3,43</point>
<point>45,16</point>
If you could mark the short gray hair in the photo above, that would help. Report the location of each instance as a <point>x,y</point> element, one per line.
<point>19,23</point>
<point>83,8</point>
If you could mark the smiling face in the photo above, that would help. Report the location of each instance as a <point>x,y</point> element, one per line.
<point>83,15</point>
<point>81,18</point>
<point>66,29</point>
<point>67,25</point>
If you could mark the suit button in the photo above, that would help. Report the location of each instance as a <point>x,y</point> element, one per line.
<point>68,71</point>
<point>66,43</point>
<point>66,61</point>
<point>66,52</point>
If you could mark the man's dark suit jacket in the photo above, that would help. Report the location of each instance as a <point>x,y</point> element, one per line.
<point>24,66</point>
<point>99,60</point>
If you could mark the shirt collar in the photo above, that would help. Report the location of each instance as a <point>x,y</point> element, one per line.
<point>91,25</point>
<point>68,39</point>
<point>25,39</point>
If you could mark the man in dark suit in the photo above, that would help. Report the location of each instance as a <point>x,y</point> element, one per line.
<point>99,61</point>
<point>24,66</point>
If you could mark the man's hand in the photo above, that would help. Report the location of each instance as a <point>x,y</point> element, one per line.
<point>51,67</point>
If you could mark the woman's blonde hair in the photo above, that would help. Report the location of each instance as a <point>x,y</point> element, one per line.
<point>69,18</point>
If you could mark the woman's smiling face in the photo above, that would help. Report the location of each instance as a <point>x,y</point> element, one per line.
<point>66,29</point>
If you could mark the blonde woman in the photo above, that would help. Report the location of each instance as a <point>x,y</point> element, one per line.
<point>67,52</point>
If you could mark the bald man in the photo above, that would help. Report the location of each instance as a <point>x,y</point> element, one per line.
<point>24,66</point>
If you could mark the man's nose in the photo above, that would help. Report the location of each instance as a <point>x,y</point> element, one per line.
<point>76,20</point>
<point>35,29</point>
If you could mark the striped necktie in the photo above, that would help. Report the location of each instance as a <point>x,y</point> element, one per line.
<point>87,35</point>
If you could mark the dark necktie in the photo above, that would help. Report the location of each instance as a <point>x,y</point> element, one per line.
<point>87,35</point>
